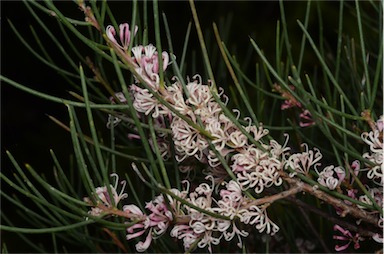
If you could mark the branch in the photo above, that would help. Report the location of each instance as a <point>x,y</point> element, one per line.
<point>347,209</point>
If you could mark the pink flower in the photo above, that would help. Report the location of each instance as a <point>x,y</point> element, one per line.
<point>102,194</point>
<point>147,61</point>
<point>306,119</point>
<point>125,35</point>
<point>347,237</point>
<point>290,100</point>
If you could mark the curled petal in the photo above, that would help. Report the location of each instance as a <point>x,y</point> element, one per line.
<point>111,32</point>
<point>133,209</point>
<point>125,35</point>
<point>165,60</point>
<point>143,246</point>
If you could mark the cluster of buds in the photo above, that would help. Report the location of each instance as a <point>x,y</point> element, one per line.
<point>206,135</point>
<point>291,102</point>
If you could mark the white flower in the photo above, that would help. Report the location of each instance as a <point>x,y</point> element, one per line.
<point>374,139</point>
<point>258,133</point>
<point>188,141</point>
<point>258,217</point>
<point>198,94</point>
<point>256,169</point>
<point>146,103</point>
<point>303,162</point>
<point>376,193</point>
<point>328,179</point>
<point>103,194</point>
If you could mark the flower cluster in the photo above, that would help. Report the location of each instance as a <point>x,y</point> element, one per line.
<point>202,132</point>
<point>374,139</point>
<point>202,220</point>
<point>255,167</point>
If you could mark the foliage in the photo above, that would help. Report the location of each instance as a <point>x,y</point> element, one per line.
<point>173,152</point>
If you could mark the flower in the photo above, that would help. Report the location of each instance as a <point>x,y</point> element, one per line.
<point>102,194</point>
<point>147,61</point>
<point>257,216</point>
<point>306,119</point>
<point>256,169</point>
<point>161,214</point>
<point>302,162</point>
<point>376,193</point>
<point>327,179</point>
<point>290,100</point>
<point>146,103</point>
<point>125,35</point>
<point>374,139</point>
<point>198,94</point>
<point>188,141</point>
<point>347,237</point>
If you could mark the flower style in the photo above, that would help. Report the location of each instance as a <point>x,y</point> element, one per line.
<point>125,35</point>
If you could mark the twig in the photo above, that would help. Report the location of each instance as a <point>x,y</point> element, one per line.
<point>273,198</point>
<point>347,209</point>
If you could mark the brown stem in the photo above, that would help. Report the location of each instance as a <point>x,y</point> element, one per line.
<point>273,198</point>
<point>115,211</point>
<point>346,209</point>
